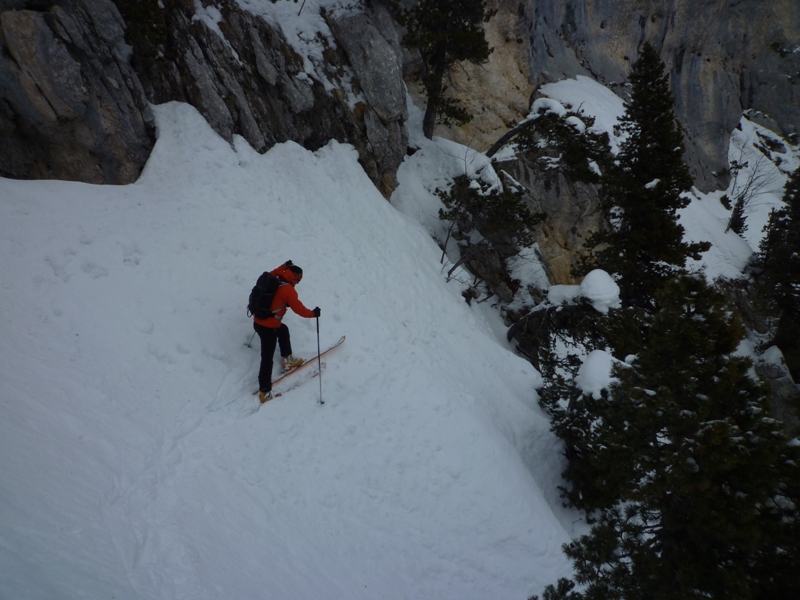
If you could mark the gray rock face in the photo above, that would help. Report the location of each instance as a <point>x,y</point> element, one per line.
<point>784,393</point>
<point>74,95</point>
<point>572,214</point>
<point>372,45</point>
<point>252,83</point>
<point>377,63</point>
<point>70,105</point>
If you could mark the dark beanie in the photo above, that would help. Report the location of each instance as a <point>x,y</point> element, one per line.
<point>295,269</point>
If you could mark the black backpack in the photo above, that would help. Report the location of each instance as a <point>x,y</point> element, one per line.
<point>261,297</point>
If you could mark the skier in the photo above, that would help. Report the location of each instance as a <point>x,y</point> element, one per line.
<point>273,332</point>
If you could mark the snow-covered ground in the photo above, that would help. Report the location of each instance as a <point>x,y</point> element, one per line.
<point>134,465</point>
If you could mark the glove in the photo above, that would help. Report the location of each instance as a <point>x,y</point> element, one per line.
<point>288,264</point>
<point>317,312</point>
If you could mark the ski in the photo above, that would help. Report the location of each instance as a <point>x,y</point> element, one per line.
<point>310,361</point>
<point>289,389</point>
<point>299,383</point>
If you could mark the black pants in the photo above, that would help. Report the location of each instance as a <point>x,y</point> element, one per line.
<point>270,337</point>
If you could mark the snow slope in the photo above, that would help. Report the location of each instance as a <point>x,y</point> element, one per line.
<point>134,465</point>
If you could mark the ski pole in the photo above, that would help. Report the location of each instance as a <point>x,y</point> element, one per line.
<point>319,365</point>
<point>249,344</point>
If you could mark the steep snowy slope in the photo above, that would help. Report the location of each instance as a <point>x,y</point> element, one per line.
<point>133,463</point>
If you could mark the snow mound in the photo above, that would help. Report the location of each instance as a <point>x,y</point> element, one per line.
<point>563,294</point>
<point>600,290</point>
<point>591,98</point>
<point>594,376</point>
<point>577,123</point>
<point>543,106</point>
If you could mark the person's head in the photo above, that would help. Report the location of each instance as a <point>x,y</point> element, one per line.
<point>298,273</point>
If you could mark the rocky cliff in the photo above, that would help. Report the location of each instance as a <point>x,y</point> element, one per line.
<point>76,77</point>
<point>71,106</point>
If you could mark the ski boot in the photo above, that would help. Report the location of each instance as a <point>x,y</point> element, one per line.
<point>290,362</point>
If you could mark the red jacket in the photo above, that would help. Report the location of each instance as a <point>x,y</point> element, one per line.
<point>286,296</point>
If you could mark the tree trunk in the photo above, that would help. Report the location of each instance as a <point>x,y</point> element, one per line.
<point>434,88</point>
<point>508,135</point>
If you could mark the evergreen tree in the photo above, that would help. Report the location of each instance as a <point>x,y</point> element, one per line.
<point>445,32</point>
<point>694,488</point>
<point>779,257</point>
<point>484,217</point>
<point>643,190</point>
<point>569,143</point>
<point>738,222</point>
